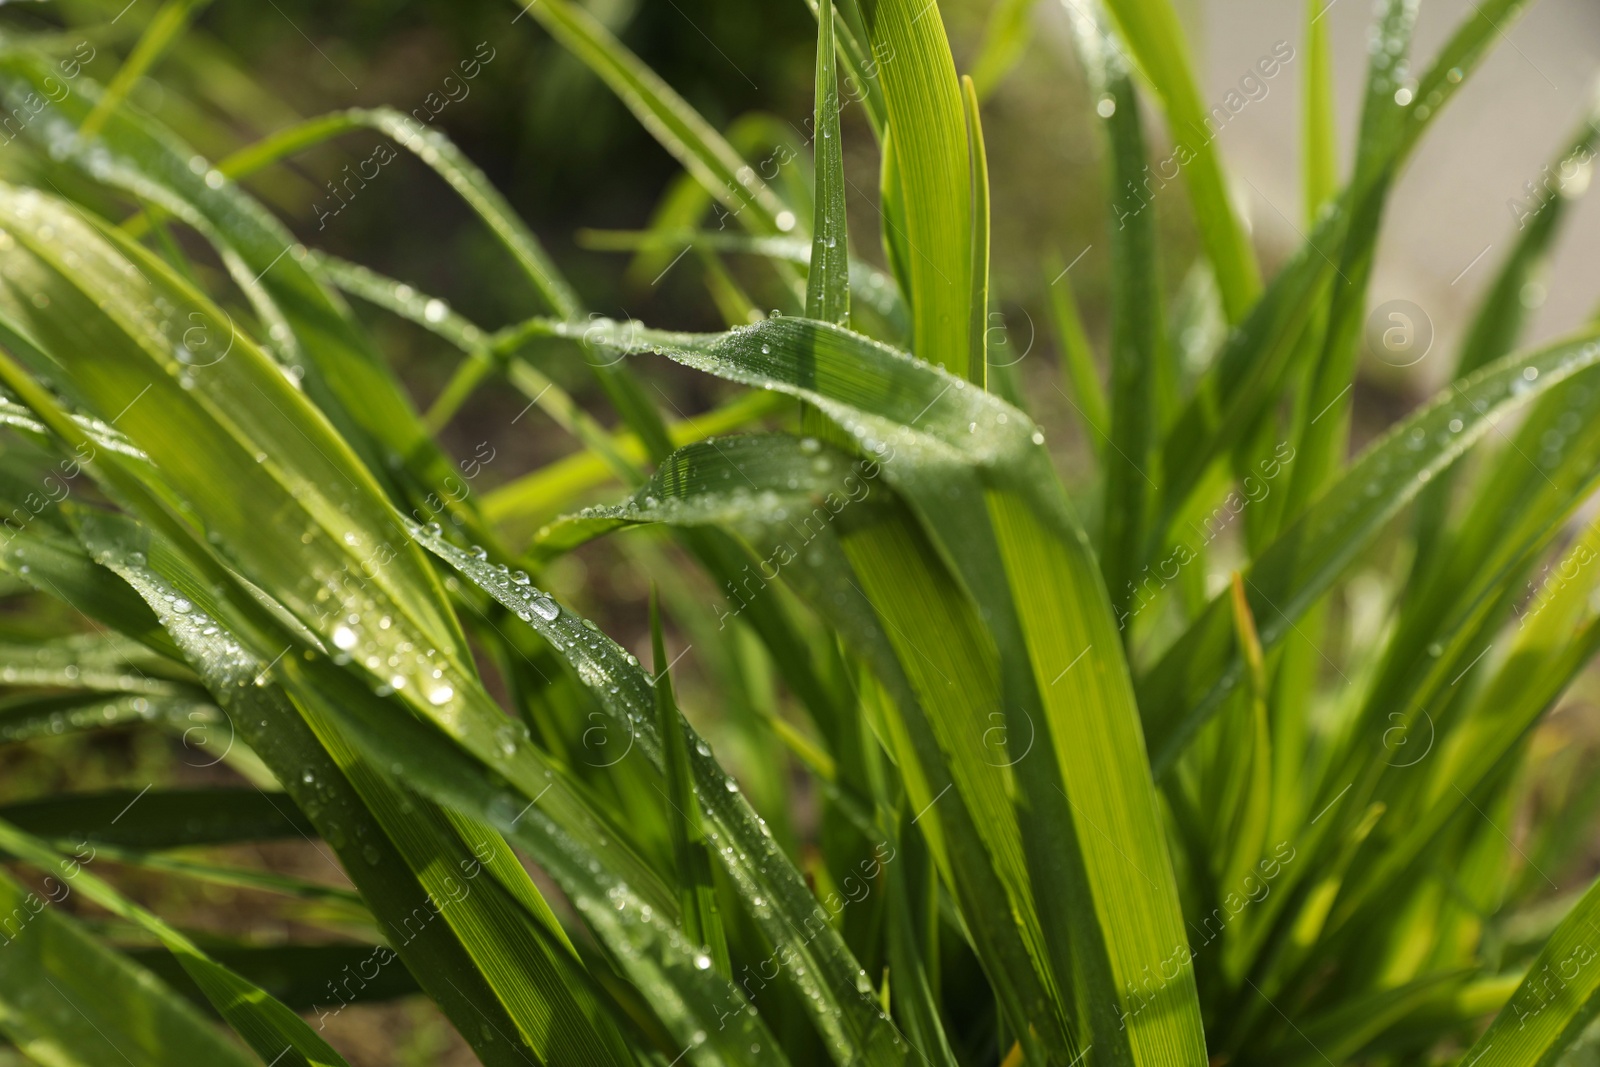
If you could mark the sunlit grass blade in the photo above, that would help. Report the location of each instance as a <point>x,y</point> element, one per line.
<point>931,206</point>
<point>507,986</point>
<point>306,328</point>
<point>1138,344</point>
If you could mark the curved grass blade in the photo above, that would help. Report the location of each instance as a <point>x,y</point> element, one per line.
<point>785,496</point>
<point>1033,577</point>
<point>515,923</point>
<point>439,153</point>
<point>68,1000</point>
<point>276,1033</point>
<point>835,987</point>
<point>1557,1000</point>
<point>308,329</point>
<point>496,964</point>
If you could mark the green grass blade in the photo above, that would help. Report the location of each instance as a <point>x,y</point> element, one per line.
<point>882,585</point>
<point>1554,1004</point>
<point>1155,37</point>
<point>275,1032</point>
<point>162,818</point>
<point>836,995</point>
<point>69,1001</point>
<point>1321,438</point>
<point>678,127</point>
<point>1319,130</point>
<point>1005,36</point>
<point>1245,377</point>
<point>978,370</point>
<point>702,923</point>
<point>164,29</point>
<point>930,211</point>
<point>1201,667</point>
<point>1137,342</point>
<point>828,284</point>
<point>499,968</point>
<point>1077,360</point>
<point>1033,577</point>
<point>307,328</point>
<point>1501,316</point>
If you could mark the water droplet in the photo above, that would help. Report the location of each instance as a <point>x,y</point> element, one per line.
<point>344,637</point>
<point>1106,107</point>
<point>702,962</point>
<point>435,310</point>
<point>440,694</point>
<point>546,609</point>
<point>182,606</point>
